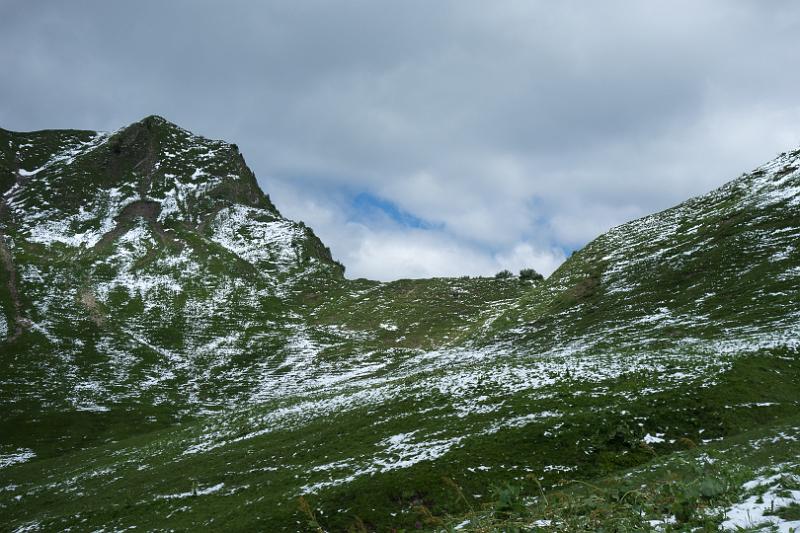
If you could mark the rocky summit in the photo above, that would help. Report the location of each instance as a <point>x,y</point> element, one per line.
<point>177,356</point>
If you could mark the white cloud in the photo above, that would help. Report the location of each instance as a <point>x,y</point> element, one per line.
<point>524,255</point>
<point>386,250</point>
<point>388,255</point>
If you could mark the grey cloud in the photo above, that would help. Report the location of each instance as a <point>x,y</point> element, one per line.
<point>511,124</point>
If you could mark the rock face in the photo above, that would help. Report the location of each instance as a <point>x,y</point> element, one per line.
<point>146,280</point>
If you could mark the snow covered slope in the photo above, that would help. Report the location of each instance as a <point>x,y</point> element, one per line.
<point>718,273</point>
<point>143,266</point>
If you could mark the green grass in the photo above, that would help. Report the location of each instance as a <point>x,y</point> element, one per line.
<point>683,491</point>
<point>265,395</point>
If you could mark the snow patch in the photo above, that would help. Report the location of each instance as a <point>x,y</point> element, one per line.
<point>21,455</point>
<point>658,438</point>
<point>189,494</point>
<point>244,232</point>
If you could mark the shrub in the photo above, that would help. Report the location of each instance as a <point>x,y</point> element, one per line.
<point>504,274</point>
<point>529,274</point>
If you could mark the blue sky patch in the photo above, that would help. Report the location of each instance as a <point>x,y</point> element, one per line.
<point>366,205</point>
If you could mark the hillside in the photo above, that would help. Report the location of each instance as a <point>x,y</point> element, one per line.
<point>142,265</point>
<point>179,355</point>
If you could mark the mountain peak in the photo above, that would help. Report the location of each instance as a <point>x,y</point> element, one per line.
<point>154,122</point>
<point>157,120</point>
<point>152,159</point>
<point>86,189</point>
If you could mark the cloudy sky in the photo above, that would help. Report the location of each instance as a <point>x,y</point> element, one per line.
<point>423,138</point>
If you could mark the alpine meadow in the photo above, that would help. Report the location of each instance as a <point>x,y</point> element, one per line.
<point>176,355</point>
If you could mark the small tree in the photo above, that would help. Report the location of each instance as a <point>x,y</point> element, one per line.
<point>504,274</point>
<point>529,274</point>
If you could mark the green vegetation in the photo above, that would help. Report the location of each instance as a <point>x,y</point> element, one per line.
<point>190,359</point>
<point>683,491</point>
<point>529,274</point>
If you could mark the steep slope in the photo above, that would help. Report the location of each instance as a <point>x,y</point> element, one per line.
<point>720,269</point>
<point>144,270</point>
<point>675,329</point>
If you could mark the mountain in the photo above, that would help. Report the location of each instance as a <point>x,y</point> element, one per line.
<point>144,268</point>
<point>178,355</point>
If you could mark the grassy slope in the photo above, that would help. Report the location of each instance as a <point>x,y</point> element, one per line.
<point>742,483</point>
<point>678,324</point>
<point>120,484</point>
